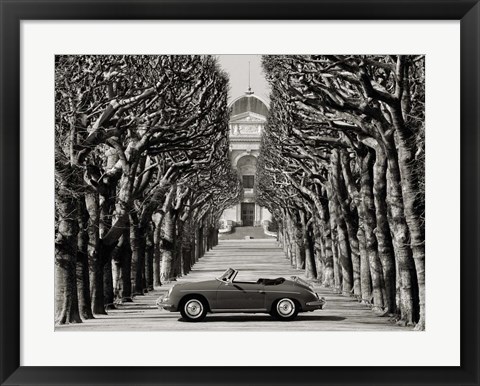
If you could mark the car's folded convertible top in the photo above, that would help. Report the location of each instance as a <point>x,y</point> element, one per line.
<point>278,280</point>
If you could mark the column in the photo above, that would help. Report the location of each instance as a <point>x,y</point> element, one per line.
<point>239,213</point>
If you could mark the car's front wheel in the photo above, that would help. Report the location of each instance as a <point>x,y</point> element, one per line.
<point>193,309</point>
<point>285,309</point>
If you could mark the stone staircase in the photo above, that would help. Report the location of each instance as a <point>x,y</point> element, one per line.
<point>239,233</point>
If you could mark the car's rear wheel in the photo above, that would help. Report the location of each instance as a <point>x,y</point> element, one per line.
<point>193,309</point>
<point>285,309</point>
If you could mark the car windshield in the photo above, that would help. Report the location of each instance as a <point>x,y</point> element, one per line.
<point>227,275</point>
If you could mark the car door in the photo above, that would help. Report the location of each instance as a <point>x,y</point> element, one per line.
<point>241,296</point>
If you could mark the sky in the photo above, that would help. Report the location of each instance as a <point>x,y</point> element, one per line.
<point>237,68</point>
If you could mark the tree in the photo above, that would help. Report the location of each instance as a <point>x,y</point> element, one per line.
<point>132,131</point>
<point>351,130</point>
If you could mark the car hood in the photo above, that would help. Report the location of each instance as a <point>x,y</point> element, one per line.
<point>198,285</point>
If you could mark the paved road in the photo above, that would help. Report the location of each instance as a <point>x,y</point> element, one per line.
<point>254,258</point>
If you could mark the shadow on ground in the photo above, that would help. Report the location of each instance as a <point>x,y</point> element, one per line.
<point>265,318</point>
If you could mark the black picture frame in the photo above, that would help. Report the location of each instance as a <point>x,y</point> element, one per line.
<point>12,12</point>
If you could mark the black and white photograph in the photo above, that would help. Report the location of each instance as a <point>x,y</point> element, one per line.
<point>240,193</point>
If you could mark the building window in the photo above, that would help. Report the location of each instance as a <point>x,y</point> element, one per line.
<point>248,182</point>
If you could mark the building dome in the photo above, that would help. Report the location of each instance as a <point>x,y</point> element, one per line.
<point>249,103</point>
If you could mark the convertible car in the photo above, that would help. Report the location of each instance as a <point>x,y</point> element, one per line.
<point>281,298</point>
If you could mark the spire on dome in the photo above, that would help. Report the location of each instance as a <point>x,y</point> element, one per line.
<point>249,91</point>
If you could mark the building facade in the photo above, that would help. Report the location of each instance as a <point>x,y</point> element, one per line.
<point>247,120</point>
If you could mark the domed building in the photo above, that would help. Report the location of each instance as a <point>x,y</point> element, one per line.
<point>247,120</point>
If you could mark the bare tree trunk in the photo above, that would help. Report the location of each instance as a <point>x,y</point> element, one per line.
<point>309,263</point>
<point>326,235</point>
<point>401,238</point>
<point>319,251</point>
<point>382,231</point>
<point>354,215</point>
<point>319,258</point>
<point>370,224</point>
<point>186,248</point>
<point>345,259</point>
<point>117,271</point>
<point>125,250</point>
<point>347,230</point>
<point>198,246</point>
<point>283,238</point>
<point>109,297</point>
<point>83,282</point>
<point>157,254</point>
<point>203,238</point>
<point>337,270</point>
<point>149,252</point>
<point>177,249</point>
<point>310,266</point>
<point>299,247</point>
<point>365,279</point>
<point>186,257</point>
<point>192,239</point>
<point>345,271</point>
<point>137,246</point>
<point>167,247</point>
<point>215,236</point>
<point>290,242</point>
<point>207,235</point>
<point>94,255</point>
<point>280,234</point>
<point>413,211</point>
<point>121,269</point>
<point>66,297</point>
<point>107,204</point>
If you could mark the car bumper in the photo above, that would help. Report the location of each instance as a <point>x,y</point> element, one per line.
<point>163,303</point>
<point>316,304</point>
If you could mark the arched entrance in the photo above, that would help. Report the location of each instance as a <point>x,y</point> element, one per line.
<point>249,213</point>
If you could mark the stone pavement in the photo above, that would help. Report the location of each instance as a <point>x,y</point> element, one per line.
<point>253,258</point>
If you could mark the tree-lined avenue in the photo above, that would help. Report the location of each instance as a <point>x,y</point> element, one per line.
<point>253,258</point>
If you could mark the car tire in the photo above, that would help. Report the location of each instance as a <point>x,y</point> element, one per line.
<point>193,309</point>
<point>285,309</point>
